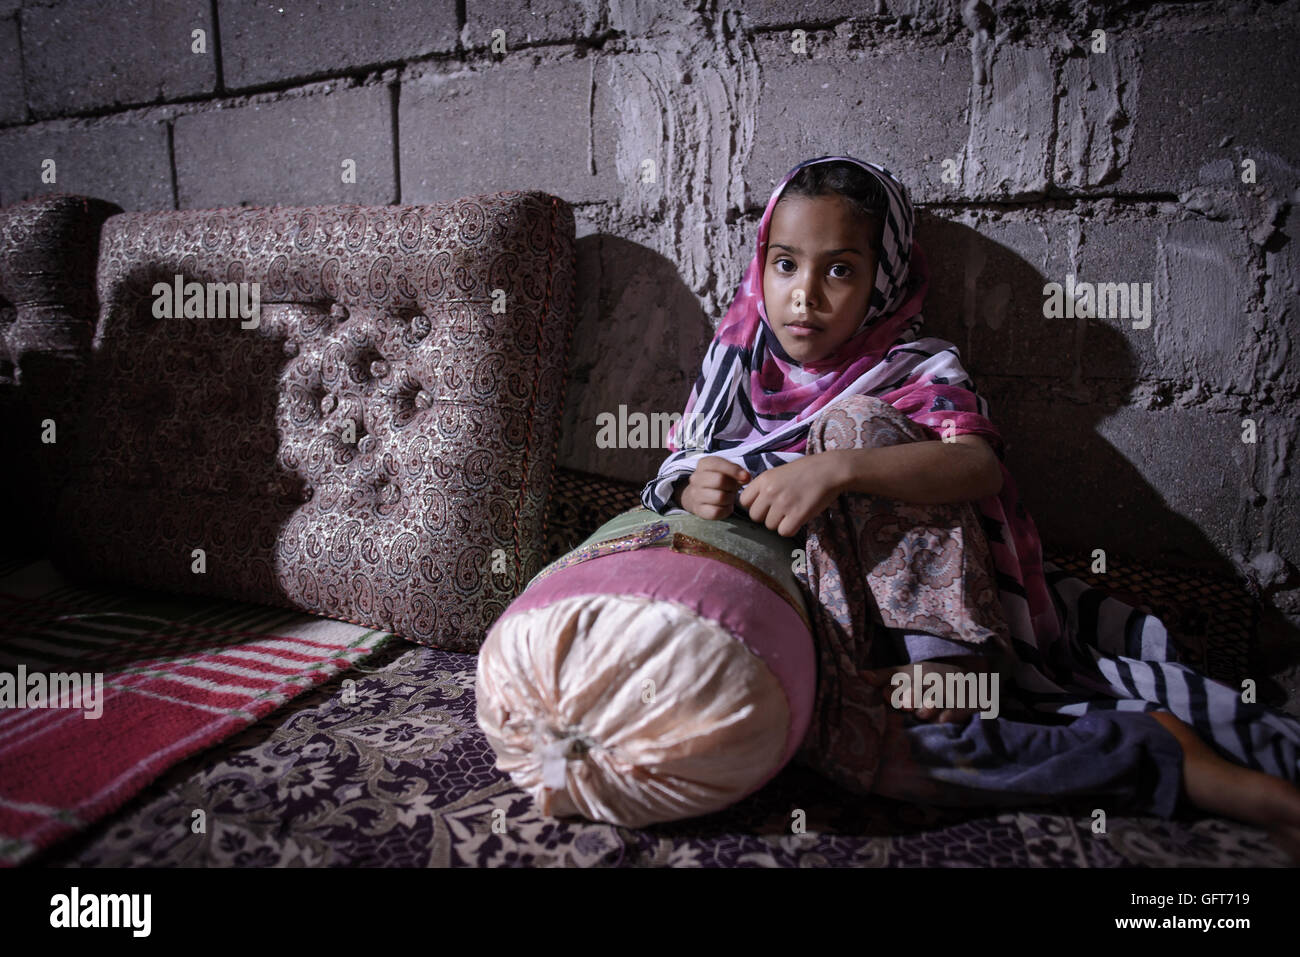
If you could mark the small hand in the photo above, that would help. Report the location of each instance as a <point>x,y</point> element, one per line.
<point>786,497</point>
<point>711,492</point>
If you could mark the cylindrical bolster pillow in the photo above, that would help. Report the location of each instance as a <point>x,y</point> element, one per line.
<point>664,669</point>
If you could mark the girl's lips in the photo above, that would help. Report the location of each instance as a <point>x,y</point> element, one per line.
<point>801,330</point>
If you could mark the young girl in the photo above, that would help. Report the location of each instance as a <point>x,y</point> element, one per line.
<point>821,413</point>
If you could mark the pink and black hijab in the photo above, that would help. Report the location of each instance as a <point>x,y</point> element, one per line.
<point>752,404</point>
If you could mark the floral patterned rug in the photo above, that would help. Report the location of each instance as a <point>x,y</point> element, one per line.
<point>386,766</point>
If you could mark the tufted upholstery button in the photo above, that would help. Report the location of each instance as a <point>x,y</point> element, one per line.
<point>379,368</point>
<point>327,403</point>
<point>339,311</point>
<point>423,399</point>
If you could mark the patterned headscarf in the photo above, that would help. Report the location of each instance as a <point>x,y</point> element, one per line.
<point>752,404</point>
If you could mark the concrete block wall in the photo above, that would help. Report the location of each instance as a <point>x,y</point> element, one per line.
<point>1116,142</point>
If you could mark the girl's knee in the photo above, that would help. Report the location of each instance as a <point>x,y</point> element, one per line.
<point>863,405</point>
<point>861,422</point>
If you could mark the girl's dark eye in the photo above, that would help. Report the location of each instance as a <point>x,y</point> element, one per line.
<point>848,270</point>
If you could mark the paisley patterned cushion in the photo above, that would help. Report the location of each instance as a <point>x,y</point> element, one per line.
<point>376,446</point>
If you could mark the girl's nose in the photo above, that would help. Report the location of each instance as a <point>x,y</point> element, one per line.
<point>811,294</point>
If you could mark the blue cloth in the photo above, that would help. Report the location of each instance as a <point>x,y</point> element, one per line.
<point>1123,759</point>
<point>911,646</point>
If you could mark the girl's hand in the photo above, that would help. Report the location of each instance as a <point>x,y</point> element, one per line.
<point>784,498</point>
<point>712,489</point>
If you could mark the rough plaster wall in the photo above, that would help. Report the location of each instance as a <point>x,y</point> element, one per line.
<point>1121,166</point>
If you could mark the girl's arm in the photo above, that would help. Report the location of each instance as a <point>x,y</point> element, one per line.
<point>926,473</point>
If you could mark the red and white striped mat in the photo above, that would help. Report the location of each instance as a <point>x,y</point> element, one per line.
<point>178,674</point>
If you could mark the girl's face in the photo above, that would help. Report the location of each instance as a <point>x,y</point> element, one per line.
<point>818,275</point>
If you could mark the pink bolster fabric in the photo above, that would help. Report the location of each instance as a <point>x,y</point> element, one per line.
<point>755,615</point>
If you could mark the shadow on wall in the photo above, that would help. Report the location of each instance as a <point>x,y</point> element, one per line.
<point>641,335</point>
<point>1082,491</point>
<point>638,341</point>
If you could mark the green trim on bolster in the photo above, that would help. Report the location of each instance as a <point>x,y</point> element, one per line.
<point>753,544</point>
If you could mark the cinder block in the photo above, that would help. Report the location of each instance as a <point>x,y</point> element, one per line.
<point>80,54</point>
<point>1270,521</point>
<point>1201,294</point>
<point>1112,257</point>
<point>530,22</point>
<point>1181,120</point>
<point>264,43</point>
<point>796,14</point>
<point>1281,333</point>
<point>906,112</point>
<point>13,101</point>
<point>125,164</point>
<point>1095,117</point>
<point>986,294</point>
<point>774,14</point>
<point>288,153</point>
<point>1153,485</point>
<point>1274,522</point>
<point>1200,280</point>
<point>1197,469</point>
<point>504,127</point>
<point>1010,126</point>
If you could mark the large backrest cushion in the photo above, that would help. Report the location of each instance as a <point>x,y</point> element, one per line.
<point>378,448</point>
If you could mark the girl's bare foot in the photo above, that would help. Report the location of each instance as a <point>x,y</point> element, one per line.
<point>883,678</point>
<point>1218,785</point>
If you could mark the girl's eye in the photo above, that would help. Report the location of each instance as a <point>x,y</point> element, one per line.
<point>781,263</point>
